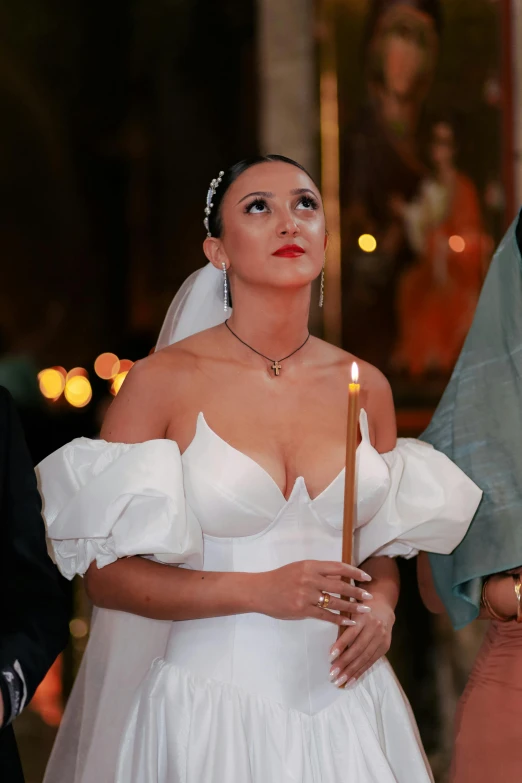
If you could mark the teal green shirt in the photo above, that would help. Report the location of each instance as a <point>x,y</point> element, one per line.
<point>478,424</point>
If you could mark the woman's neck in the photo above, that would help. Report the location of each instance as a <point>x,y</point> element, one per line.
<point>273,321</point>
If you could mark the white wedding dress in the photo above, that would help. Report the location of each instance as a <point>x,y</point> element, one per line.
<point>241,699</point>
<point>246,698</point>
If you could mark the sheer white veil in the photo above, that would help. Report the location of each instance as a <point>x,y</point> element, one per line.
<point>122,646</point>
<point>198,305</point>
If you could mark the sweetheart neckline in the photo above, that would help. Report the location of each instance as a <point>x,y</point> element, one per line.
<point>258,466</point>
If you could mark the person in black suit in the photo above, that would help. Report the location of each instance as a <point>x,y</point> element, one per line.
<point>34,601</point>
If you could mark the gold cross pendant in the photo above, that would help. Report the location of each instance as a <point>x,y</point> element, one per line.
<point>276,367</point>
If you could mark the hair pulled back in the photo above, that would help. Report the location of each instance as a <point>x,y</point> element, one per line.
<point>215,218</point>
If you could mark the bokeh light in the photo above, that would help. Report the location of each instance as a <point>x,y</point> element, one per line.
<point>78,628</point>
<point>62,371</point>
<point>368,243</point>
<point>78,391</point>
<point>118,382</point>
<point>456,243</point>
<point>77,372</point>
<point>107,366</point>
<point>51,382</point>
<point>125,365</point>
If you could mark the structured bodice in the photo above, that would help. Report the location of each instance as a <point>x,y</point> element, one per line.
<point>249,526</point>
<point>233,496</point>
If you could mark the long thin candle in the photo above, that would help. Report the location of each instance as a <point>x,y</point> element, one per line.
<point>351,453</point>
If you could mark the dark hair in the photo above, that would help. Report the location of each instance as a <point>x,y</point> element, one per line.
<point>215,219</point>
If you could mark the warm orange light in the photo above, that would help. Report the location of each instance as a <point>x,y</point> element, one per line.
<point>456,243</point>
<point>355,372</point>
<point>367,243</point>
<point>107,366</point>
<point>61,370</point>
<point>77,372</point>
<point>78,391</point>
<point>125,365</point>
<point>51,383</point>
<point>118,382</point>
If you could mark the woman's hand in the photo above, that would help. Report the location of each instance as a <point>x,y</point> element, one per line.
<point>293,592</point>
<point>361,646</point>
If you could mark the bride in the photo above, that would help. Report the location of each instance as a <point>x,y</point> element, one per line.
<point>223,453</point>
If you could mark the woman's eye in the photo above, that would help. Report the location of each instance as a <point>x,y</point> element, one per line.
<point>256,207</point>
<point>307,202</point>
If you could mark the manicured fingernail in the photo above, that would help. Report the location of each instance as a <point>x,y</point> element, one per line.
<point>363,608</point>
<point>334,654</point>
<point>334,673</point>
<point>351,682</point>
<point>340,681</point>
<point>367,596</point>
<point>347,621</point>
<point>365,577</point>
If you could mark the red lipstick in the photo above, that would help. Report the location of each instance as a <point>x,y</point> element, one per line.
<point>289,251</point>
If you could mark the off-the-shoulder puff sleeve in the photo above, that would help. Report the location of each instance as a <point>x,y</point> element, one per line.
<point>428,506</point>
<point>103,501</point>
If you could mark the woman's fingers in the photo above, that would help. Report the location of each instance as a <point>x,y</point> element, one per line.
<point>331,568</point>
<point>330,617</point>
<point>356,675</point>
<point>346,639</point>
<point>365,661</point>
<point>345,589</point>
<point>351,607</point>
<point>371,644</point>
<point>342,668</point>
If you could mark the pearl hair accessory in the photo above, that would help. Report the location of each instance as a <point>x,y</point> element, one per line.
<point>210,195</point>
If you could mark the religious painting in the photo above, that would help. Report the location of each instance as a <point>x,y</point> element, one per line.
<point>421,192</point>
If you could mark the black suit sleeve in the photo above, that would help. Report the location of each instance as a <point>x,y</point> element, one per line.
<point>34,598</point>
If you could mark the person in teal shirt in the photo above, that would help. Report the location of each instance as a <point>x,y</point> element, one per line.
<point>478,424</point>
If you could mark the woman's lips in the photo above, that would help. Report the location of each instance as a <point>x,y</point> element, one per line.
<point>289,251</point>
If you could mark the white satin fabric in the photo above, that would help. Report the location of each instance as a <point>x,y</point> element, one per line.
<point>247,698</point>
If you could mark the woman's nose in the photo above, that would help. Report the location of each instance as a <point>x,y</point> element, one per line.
<point>288,227</point>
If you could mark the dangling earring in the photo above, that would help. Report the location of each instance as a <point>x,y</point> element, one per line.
<point>225,287</point>
<point>321,291</point>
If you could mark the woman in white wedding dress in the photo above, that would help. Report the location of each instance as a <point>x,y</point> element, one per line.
<point>223,453</point>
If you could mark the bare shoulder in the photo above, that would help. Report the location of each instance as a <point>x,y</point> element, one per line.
<point>376,394</point>
<point>153,390</point>
<point>140,411</point>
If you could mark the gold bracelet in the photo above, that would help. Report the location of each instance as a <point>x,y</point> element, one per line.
<point>518,593</point>
<point>485,603</point>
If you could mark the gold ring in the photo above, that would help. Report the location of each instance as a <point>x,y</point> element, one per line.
<point>324,600</point>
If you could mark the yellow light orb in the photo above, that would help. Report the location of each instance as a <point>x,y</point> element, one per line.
<point>107,366</point>
<point>367,243</point>
<point>51,383</point>
<point>77,372</point>
<point>118,382</point>
<point>78,391</point>
<point>456,243</point>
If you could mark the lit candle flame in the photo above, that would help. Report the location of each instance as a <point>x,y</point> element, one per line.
<point>355,373</point>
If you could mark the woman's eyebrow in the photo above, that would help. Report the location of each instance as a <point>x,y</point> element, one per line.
<point>265,194</point>
<point>300,191</point>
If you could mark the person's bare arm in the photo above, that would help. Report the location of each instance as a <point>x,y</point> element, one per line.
<point>428,593</point>
<point>158,591</point>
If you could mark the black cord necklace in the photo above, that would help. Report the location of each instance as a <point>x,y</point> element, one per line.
<point>276,363</point>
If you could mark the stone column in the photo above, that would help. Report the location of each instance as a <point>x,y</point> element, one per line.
<point>287,80</point>
<point>288,91</point>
